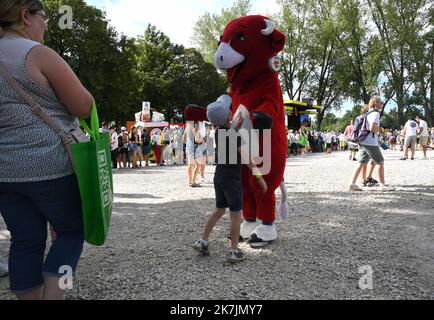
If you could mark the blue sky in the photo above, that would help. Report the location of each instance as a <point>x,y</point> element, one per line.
<point>176,18</point>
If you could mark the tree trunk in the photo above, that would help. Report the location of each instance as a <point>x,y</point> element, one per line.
<point>400,102</point>
<point>320,119</point>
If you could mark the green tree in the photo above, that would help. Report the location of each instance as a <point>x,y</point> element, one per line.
<point>398,23</point>
<point>422,67</point>
<point>323,84</point>
<point>96,52</point>
<point>361,53</point>
<point>349,116</point>
<point>293,20</point>
<point>210,27</point>
<point>171,77</point>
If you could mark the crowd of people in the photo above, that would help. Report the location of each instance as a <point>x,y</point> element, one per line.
<point>407,139</point>
<point>140,147</point>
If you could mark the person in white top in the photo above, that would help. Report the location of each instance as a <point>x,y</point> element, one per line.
<point>328,141</point>
<point>114,145</point>
<point>424,135</point>
<point>410,133</point>
<point>369,147</point>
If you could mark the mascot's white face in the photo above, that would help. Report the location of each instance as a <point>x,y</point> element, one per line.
<point>246,47</point>
<point>226,57</point>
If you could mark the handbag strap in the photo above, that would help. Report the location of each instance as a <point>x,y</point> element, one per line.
<point>35,107</point>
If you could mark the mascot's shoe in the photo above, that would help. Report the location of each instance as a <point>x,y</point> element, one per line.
<point>284,211</point>
<point>247,229</point>
<point>262,236</point>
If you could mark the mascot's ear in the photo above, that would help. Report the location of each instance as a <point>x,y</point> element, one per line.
<point>278,41</point>
<point>277,37</point>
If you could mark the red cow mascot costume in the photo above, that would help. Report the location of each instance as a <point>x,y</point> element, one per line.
<point>248,53</point>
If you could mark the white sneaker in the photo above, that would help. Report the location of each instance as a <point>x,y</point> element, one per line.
<point>4,270</point>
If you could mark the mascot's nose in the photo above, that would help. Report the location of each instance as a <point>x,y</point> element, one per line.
<point>226,57</point>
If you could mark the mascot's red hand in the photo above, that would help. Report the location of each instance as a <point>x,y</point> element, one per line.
<point>195,113</point>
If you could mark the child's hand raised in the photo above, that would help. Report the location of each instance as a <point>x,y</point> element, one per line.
<point>238,121</point>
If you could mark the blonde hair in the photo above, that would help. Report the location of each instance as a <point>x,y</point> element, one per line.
<point>373,101</point>
<point>10,12</point>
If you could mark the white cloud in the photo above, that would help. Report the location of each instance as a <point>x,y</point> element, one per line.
<point>175,18</point>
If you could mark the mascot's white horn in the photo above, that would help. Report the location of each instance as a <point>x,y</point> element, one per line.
<point>270,26</point>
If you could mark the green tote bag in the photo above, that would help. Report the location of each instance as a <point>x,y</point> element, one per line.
<point>93,168</point>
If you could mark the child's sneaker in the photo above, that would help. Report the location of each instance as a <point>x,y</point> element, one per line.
<point>201,246</point>
<point>237,256</point>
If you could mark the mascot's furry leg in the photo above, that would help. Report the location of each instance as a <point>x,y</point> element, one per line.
<point>284,206</point>
<point>261,235</point>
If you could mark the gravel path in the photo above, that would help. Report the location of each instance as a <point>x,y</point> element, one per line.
<point>330,234</point>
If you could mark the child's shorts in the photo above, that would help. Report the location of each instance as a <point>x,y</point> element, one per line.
<point>228,193</point>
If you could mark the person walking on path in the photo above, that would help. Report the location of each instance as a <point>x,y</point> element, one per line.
<point>410,140</point>
<point>369,147</point>
<point>227,181</point>
<point>114,147</point>
<point>45,189</point>
<point>424,136</point>
<point>188,139</point>
<point>351,146</point>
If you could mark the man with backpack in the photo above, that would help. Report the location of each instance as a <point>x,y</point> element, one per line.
<point>366,134</point>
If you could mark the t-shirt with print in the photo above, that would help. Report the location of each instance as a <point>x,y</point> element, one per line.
<point>411,127</point>
<point>372,138</point>
<point>423,126</point>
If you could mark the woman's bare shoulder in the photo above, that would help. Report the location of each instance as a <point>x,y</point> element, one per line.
<point>43,54</point>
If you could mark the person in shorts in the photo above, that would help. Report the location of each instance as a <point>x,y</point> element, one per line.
<point>146,146</point>
<point>370,147</point>
<point>410,140</point>
<point>424,136</point>
<point>227,179</point>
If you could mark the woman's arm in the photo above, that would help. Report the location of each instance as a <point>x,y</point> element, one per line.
<point>62,80</point>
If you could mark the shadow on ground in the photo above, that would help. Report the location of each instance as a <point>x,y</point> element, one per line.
<point>327,238</point>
